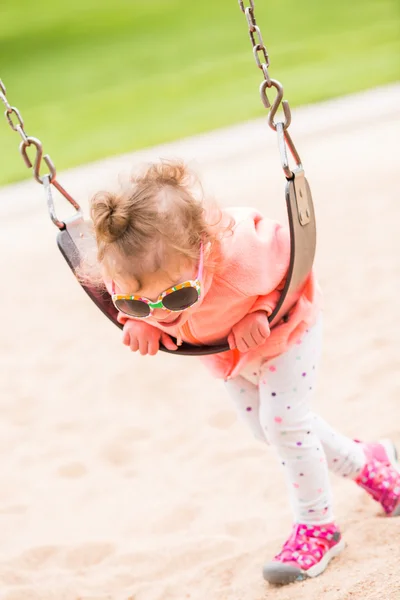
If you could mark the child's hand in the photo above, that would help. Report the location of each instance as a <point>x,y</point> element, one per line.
<point>145,338</point>
<point>252,331</point>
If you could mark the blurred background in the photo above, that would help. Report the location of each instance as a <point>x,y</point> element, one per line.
<point>94,79</point>
<point>123,476</point>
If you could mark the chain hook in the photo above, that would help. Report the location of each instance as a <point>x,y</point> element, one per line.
<point>39,151</point>
<point>286,112</point>
<point>46,179</point>
<point>32,141</point>
<point>277,102</point>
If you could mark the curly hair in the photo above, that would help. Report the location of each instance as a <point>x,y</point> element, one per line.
<point>155,217</point>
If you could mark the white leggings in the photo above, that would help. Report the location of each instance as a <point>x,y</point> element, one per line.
<point>274,398</point>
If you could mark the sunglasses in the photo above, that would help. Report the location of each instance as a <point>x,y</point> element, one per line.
<point>174,299</point>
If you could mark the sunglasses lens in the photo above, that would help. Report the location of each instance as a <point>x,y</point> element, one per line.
<point>134,308</point>
<point>181,299</point>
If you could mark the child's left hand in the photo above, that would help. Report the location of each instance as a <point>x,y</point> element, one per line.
<point>252,331</point>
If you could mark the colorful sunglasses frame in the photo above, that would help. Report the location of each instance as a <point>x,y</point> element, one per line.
<point>193,283</point>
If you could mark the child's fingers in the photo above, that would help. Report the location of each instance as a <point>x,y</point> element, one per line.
<point>258,335</point>
<point>243,344</point>
<point>263,335</point>
<point>154,346</point>
<point>134,344</point>
<point>264,329</point>
<point>168,342</point>
<point>143,346</point>
<point>231,341</point>
<point>126,338</point>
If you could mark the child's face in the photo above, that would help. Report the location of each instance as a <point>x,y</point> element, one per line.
<point>151,286</point>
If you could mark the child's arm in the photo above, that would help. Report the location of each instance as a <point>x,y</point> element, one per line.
<point>258,256</point>
<point>261,261</point>
<point>252,331</point>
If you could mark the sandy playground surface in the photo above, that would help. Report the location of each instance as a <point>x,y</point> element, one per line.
<point>128,477</point>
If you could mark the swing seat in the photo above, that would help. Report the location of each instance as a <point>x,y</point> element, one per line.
<point>75,241</point>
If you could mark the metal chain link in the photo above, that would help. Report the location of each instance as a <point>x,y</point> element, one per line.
<point>261,58</point>
<point>27,141</point>
<point>10,110</point>
<point>256,40</point>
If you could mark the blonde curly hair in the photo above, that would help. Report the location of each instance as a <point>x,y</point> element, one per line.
<point>156,217</point>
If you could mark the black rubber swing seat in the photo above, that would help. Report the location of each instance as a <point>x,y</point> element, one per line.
<point>75,240</point>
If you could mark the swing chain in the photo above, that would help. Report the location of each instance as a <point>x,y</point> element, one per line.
<point>281,126</point>
<point>256,41</point>
<point>12,110</point>
<point>28,141</point>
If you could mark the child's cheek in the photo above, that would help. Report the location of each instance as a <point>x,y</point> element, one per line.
<point>186,314</point>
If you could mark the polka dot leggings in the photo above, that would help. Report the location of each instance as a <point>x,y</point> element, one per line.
<point>274,398</point>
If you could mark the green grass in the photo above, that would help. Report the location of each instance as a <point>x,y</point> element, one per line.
<point>94,79</point>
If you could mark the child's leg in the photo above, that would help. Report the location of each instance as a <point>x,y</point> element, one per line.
<point>345,456</point>
<point>306,445</point>
<point>286,386</point>
<point>246,399</point>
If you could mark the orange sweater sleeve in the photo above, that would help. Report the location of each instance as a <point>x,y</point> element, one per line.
<point>261,261</point>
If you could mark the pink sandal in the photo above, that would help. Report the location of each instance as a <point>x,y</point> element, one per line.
<point>380,477</point>
<point>306,553</point>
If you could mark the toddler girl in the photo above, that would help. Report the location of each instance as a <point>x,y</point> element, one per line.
<point>179,269</point>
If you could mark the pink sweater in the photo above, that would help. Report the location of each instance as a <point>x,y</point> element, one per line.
<point>253,266</point>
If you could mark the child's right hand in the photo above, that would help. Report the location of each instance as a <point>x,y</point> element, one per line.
<point>141,336</point>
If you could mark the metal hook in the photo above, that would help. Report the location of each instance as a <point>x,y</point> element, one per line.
<point>277,102</point>
<point>51,167</point>
<point>51,176</point>
<point>32,141</point>
<point>263,92</point>
<point>286,112</point>
<point>39,150</point>
<point>276,105</point>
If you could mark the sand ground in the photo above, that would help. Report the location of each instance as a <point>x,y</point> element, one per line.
<point>128,477</point>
